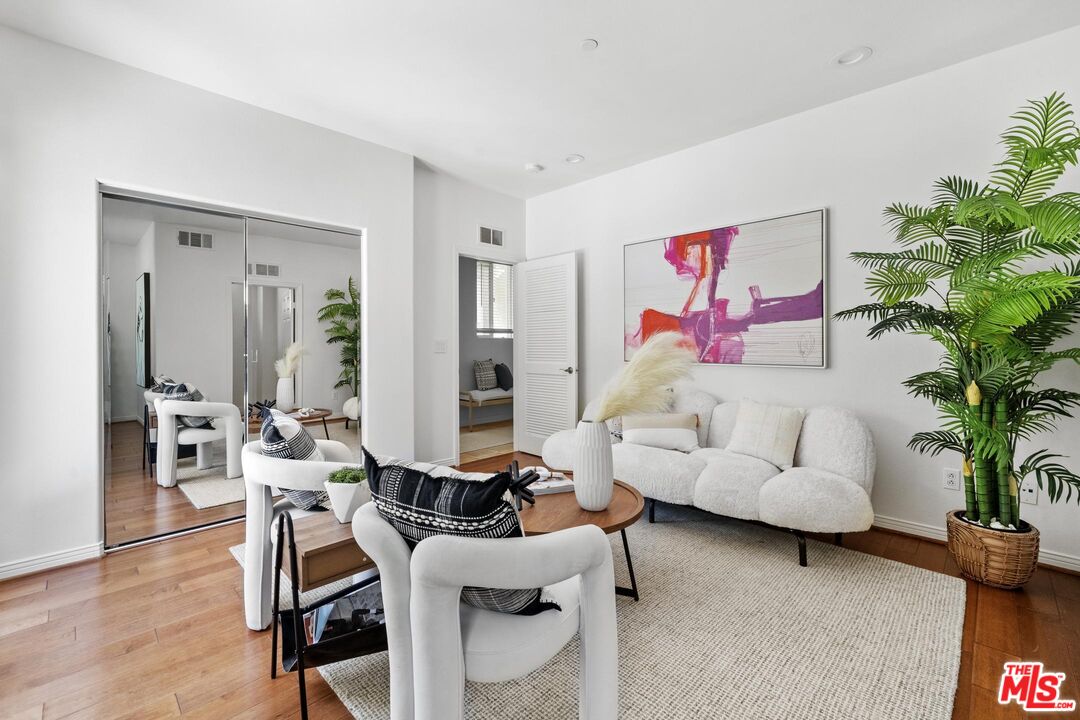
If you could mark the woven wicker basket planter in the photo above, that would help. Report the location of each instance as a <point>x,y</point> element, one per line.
<point>999,558</point>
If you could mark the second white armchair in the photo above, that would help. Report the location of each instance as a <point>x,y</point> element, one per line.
<point>436,642</point>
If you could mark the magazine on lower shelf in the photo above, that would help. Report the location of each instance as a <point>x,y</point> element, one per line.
<point>356,611</point>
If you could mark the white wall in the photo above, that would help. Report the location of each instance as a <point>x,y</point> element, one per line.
<point>315,267</point>
<point>853,157</point>
<point>448,213</point>
<point>70,119</point>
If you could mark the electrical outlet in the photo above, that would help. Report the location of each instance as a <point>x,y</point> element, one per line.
<point>950,478</point>
<point>1029,493</point>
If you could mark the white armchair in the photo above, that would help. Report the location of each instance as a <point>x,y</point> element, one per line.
<point>261,473</point>
<point>228,426</point>
<point>436,642</point>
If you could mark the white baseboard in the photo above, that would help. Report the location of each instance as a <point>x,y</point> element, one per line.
<point>126,418</point>
<point>933,532</point>
<point>450,462</point>
<point>56,559</point>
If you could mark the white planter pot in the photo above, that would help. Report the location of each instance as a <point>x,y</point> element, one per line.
<point>346,498</point>
<point>593,476</point>
<point>285,400</point>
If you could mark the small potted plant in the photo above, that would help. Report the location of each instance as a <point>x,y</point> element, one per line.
<point>348,490</point>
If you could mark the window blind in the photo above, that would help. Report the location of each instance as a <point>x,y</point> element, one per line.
<point>494,299</point>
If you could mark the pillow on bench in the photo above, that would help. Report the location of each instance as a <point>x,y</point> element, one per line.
<point>419,505</point>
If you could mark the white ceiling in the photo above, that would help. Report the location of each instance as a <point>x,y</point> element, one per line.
<point>478,88</point>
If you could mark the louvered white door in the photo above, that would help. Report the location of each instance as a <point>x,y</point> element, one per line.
<point>545,349</point>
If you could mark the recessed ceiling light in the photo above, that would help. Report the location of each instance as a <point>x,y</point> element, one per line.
<point>588,45</point>
<point>575,159</point>
<point>854,56</point>
<point>534,167</point>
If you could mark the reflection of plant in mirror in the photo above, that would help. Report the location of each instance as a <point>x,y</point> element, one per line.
<point>348,476</point>
<point>287,366</point>
<point>343,314</point>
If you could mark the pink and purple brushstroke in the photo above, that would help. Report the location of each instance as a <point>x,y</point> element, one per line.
<point>716,335</point>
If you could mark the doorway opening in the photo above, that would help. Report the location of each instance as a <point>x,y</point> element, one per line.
<point>485,358</point>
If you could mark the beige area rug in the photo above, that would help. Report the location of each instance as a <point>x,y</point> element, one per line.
<point>485,438</point>
<point>210,488</point>
<point>729,626</point>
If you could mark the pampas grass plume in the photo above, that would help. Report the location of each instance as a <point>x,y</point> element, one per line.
<point>643,385</point>
<point>288,365</point>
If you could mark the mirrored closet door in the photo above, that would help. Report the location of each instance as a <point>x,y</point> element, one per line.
<point>231,312</point>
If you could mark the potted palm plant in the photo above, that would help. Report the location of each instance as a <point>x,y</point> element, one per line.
<point>991,273</point>
<point>342,312</point>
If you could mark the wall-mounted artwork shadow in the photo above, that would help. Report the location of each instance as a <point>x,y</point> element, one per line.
<point>748,294</point>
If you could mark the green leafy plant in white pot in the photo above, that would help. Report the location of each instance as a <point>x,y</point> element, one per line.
<point>991,274</point>
<point>348,490</point>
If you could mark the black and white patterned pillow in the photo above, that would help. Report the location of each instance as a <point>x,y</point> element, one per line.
<point>284,437</point>
<point>419,506</point>
<point>485,374</point>
<point>159,383</point>
<point>187,392</point>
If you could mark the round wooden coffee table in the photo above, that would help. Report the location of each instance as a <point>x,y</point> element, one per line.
<point>560,511</point>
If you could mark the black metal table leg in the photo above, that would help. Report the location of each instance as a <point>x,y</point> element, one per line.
<point>277,595</point>
<point>632,590</point>
<point>325,429</point>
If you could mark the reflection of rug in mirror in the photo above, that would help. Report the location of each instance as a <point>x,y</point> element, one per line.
<point>486,437</point>
<point>210,488</point>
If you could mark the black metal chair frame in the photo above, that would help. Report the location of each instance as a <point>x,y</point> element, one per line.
<point>320,653</point>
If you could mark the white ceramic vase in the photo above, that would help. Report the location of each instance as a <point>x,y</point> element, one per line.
<point>594,479</point>
<point>285,399</point>
<point>346,498</point>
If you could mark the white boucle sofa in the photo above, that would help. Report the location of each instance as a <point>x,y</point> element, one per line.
<point>826,491</point>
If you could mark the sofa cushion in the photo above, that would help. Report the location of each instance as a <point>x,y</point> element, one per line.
<point>836,440</point>
<point>769,432</point>
<point>663,475</point>
<point>500,647</point>
<point>689,399</point>
<point>667,431</point>
<point>730,483</point>
<point>721,425</point>
<point>558,450</point>
<point>815,501</point>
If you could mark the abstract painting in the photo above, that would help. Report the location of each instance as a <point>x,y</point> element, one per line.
<point>142,331</point>
<point>748,294</point>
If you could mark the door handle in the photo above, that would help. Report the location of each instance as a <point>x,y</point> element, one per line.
<point>568,370</point>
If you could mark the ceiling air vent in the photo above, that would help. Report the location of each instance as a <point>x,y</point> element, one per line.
<point>264,269</point>
<point>187,238</point>
<point>491,236</point>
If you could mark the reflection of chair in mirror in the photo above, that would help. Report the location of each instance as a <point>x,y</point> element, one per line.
<point>227,426</point>
<point>260,474</point>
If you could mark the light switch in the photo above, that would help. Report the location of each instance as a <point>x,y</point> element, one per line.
<point>440,347</point>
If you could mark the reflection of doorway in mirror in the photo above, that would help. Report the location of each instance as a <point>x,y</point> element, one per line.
<point>272,327</point>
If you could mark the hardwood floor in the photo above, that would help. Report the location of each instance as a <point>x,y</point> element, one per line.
<point>136,506</point>
<point>158,631</point>
<point>488,452</point>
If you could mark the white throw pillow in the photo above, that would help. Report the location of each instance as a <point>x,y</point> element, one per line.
<point>767,432</point>
<point>667,431</point>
